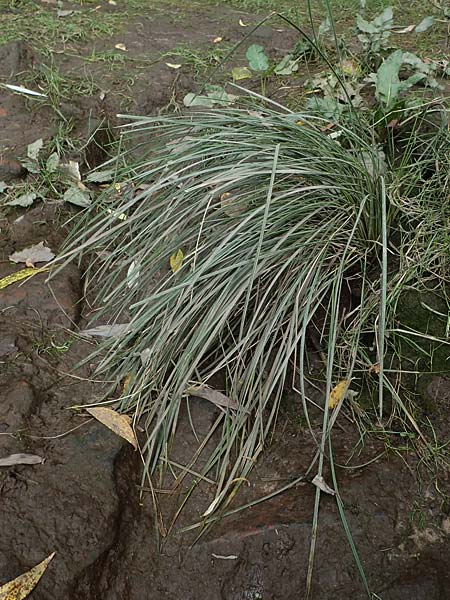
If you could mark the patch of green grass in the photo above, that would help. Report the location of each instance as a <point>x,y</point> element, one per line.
<point>42,28</point>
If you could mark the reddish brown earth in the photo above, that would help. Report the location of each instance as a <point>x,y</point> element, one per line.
<point>84,502</point>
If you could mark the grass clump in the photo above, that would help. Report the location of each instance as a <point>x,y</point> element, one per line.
<point>276,214</point>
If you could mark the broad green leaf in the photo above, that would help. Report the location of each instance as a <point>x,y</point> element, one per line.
<point>21,587</point>
<point>424,24</point>
<point>192,99</point>
<point>34,149</point>
<point>52,162</point>
<point>239,73</point>
<point>31,165</point>
<point>286,66</point>
<point>387,78</point>
<point>384,20</point>
<point>24,200</point>
<point>77,197</point>
<point>101,176</point>
<point>365,26</point>
<point>176,261</point>
<point>257,58</point>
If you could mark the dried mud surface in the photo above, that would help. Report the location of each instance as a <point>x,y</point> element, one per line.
<point>84,503</point>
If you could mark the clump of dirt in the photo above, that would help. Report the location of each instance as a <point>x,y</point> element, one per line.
<point>84,501</point>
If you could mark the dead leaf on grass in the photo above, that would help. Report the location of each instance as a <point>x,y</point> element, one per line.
<point>217,398</point>
<point>242,24</point>
<point>338,393</point>
<point>119,424</point>
<point>121,47</point>
<point>217,40</point>
<point>375,368</point>
<point>21,459</point>
<point>20,588</point>
<point>176,261</point>
<point>32,255</point>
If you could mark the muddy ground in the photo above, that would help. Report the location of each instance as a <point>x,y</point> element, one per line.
<point>83,502</point>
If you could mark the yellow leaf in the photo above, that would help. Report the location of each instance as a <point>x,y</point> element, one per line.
<point>120,424</point>
<point>299,123</point>
<point>176,261</point>
<point>217,39</point>
<point>22,274</point>
<point>242,24</point>
<point>121,47</point>
<point>126,382</point>
<point>337,393</point>
<point>174,66</point>
<point>21,586</point>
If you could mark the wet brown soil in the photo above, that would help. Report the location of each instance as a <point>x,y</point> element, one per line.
<point>84,501</point>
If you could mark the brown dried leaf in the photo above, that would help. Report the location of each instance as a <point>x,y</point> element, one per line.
<point>120,424</point>
<point>207,393</point>
<point>20,588</point>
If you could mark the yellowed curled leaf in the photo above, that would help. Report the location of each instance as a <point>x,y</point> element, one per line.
<point>120,424</point>
<point>20,587</point>
<point>22,274</point>
<point>176,261</point>
<point>337,393</point>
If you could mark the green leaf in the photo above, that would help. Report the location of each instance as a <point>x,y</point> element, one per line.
<point>52,162</point>
<point>365,26</point>
<point>32,166</point>
<point>384,20</point>
<point>101,176</point>
<point>286,66</point>
<point>193,99</point>
<point>239,73</point>
<point>34,149</point>
<point>387,79</point>
<point>257,58</point>
<point>424,24</point>
<point>24,200</point>
<point>77,197</point>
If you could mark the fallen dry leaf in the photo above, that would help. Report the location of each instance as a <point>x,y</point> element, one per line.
<point>319,482</point>
<point>22,274</point>
<point>207,393</point>
<point>32,255</point>
<point>120,424</point>
<point>121,47</point>
<point>338,393</point>
<point>21,459</point>
<point>217,39</point>
<point>176,261</point>
<point>375,368</point>
<point>174,66</point>
<point>242,24</point>
<point>20,588</point>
